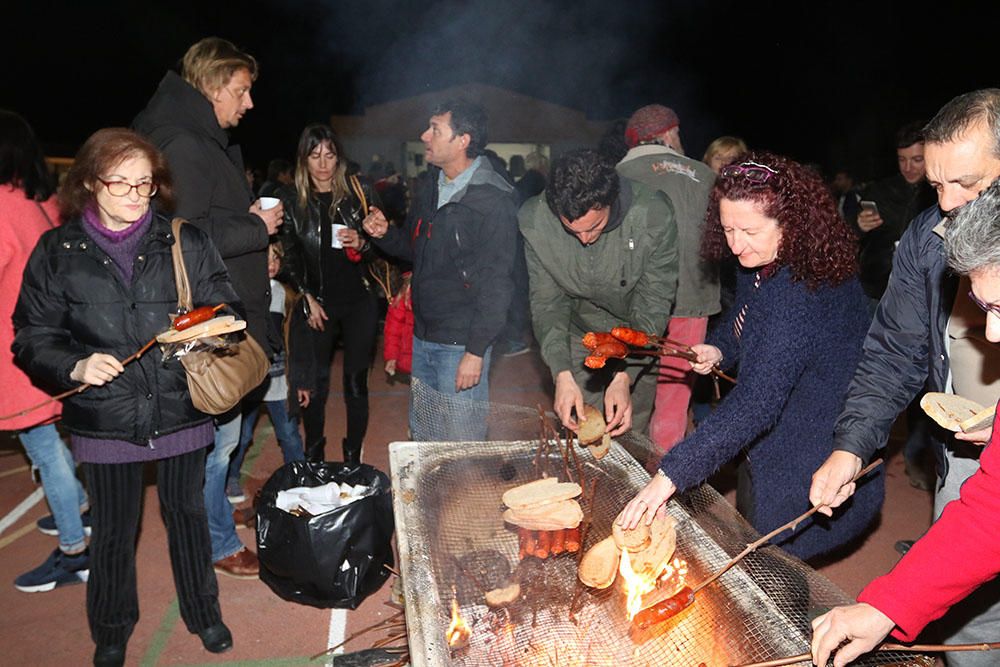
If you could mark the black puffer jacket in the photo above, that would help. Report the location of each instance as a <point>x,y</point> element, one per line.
<point>301,238</point>
<point>463,258</point>
<point>212,191</point>
<point>74,303</point>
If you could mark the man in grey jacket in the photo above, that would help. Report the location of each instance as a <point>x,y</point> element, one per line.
<point>601,253</point>
<point>656,158</point>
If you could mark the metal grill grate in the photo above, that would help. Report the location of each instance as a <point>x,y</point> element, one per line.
<point>448,508</point>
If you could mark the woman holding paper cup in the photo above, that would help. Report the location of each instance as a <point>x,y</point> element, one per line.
<point>326,252</point>
<point>94,291</point>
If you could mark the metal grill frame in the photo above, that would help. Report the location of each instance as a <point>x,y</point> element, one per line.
<point>740,592</point>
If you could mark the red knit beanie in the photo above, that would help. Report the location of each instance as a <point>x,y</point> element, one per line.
<point>650,121</point>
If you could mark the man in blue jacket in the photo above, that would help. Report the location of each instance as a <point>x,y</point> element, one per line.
<point>927,330</point>
<point>460,235</point>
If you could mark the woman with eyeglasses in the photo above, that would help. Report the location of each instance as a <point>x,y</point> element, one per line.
<point>795,331</point>
<point>95,290</point>
<point>326,259</point>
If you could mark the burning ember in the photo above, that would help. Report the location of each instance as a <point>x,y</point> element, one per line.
<point>458,631</point>
<point>666,581</point>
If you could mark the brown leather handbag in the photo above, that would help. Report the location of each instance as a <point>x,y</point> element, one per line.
<point>217,379</point>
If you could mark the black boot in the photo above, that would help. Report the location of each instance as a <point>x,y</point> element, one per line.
<point>314,451</point>
<point>352,453</point>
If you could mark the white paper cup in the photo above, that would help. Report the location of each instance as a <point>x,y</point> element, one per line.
<point>335,240</point>
<point>268,202</point>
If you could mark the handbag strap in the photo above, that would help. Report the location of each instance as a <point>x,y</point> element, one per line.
<point>184,302</point>
<point>356,186</point>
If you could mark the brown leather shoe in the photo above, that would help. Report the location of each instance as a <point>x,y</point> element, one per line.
<point>241,565</point>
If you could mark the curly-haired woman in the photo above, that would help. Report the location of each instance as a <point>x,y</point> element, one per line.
<point>795,330</point>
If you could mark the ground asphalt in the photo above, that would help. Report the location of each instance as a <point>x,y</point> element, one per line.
<point>51,628</point>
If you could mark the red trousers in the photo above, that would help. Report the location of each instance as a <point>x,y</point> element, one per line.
<point>673,388</point>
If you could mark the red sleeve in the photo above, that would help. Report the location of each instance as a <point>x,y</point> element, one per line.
<point>395,328</point>
<point>960,552</point>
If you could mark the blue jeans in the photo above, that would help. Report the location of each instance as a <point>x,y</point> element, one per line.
<point>442,413</point>
<point>221,527</point>
<point>63,490</point>
<point>286,430</point>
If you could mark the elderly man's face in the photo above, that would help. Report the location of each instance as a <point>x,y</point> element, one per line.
<point>959,170</point>
<point>986,288</point>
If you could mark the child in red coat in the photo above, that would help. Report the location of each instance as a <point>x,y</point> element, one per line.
<point>398,334</point>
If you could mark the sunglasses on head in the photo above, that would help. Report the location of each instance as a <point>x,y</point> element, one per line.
<point>752,171</point>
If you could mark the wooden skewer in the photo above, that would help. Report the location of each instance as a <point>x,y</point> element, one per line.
<point>77,390</point>
<point>780,529</point>
<point>913,648</point>
<point>375,626</point>
<point>689,356</point>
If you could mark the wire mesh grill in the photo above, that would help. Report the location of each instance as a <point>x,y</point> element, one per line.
<point>454,544</point>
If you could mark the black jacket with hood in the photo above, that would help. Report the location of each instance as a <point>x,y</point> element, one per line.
<point>212,191</point>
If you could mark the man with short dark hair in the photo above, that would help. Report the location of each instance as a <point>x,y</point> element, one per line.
<point>898,198</point>
<point>460,235</point>
<point>656,158</point>
<point>601,252</point>
<point>187,119</point>
<point>926,332</point>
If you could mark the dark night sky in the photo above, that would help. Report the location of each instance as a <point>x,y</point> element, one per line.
<point>823,81</point>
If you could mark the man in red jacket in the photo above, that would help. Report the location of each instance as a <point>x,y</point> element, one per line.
<point>961,551</point>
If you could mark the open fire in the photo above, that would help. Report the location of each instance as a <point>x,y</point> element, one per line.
<point>458,632</point>
<point>643,589</point>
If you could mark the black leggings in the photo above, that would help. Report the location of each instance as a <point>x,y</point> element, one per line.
<point>356,326</point>
<point>115,504</point>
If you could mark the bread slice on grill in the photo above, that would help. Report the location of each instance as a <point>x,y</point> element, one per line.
<point>955,413</point>
<point>552,516</point>
<point>540,492</point>
<point>599,566</point>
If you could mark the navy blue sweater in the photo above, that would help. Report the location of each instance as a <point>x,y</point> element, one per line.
<point>796,355</point>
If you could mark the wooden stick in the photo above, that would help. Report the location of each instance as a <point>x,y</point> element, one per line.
<point>77,390</point>
<point>682,355</point>
<point>913,648</point>
<point>393,570</point>
<point>370,628</point>
<point>580,477</point>
<point>780,529</point>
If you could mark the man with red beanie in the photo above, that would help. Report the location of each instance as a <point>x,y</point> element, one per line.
<point>656,158</point>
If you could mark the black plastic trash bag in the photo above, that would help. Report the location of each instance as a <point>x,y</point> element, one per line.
<point>333,559</point>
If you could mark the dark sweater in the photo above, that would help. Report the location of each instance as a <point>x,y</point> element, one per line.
<point>796,355</point>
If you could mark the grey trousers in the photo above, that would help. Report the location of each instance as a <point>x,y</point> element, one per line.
<point>975,619</point>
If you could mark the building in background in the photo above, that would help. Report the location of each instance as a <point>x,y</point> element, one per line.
<point>519,125</point>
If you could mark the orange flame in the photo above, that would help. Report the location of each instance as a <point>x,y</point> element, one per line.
<point>458,631</point>
<point>668,579</point>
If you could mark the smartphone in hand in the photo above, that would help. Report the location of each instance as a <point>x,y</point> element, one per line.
<point>870,206</point>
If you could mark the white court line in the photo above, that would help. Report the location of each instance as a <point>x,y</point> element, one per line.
<point>22,508</point>
<point>338,629</point>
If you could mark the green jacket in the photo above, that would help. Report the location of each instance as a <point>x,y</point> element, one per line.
<point>628,277</point>
<point>688,184</point>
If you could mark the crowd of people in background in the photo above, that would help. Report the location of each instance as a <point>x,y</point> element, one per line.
<point>833,301</point>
